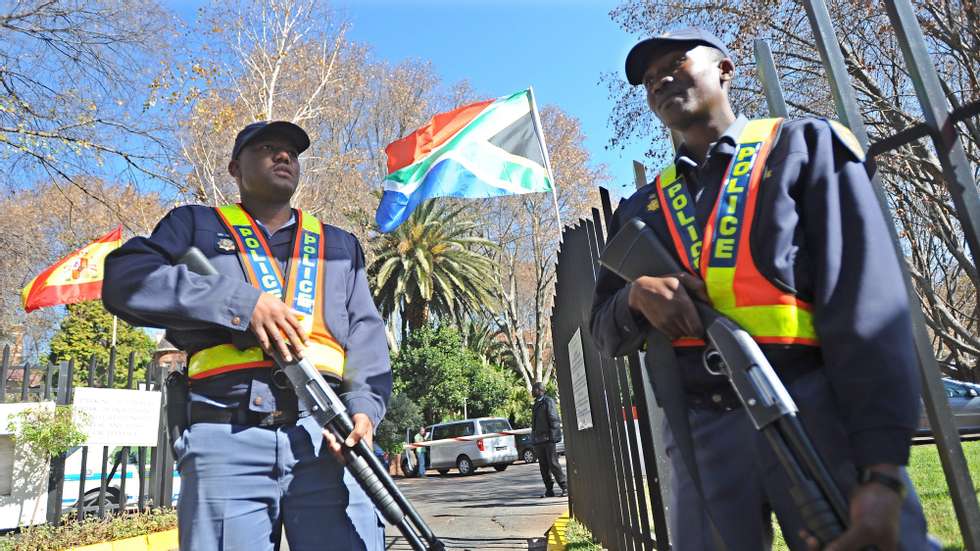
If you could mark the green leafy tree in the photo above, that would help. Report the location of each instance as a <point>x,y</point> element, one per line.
<point>431,370</point>
<point>402,414</point>
<point>86,332</point>
<point>489,391</point>
<point>433,264</point>
<point>440,374</point>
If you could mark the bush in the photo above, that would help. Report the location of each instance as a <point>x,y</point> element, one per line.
<point>46,432</point>
<point>91,530</point>
<point>402,414</point>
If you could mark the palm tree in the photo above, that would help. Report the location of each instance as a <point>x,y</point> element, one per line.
<point>484,340</point>
<point>433,264</point>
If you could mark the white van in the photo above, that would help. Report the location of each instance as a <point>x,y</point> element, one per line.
<point>93,480</point>
<point>469,444</point>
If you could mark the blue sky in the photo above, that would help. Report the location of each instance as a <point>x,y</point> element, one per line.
<point>559,47</point>
<point>500,46</point>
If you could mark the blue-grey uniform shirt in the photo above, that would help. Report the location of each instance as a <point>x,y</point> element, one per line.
<point>143,287</point>
<point>818,232</point>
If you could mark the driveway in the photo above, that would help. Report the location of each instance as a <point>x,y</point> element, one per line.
<point>486,510</point>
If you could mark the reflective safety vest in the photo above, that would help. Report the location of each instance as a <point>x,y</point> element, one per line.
<point>723,256</point>
<point>302,291</point>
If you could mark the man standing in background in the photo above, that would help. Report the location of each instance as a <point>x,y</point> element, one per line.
<point>545,433</point>
<point>420,451</point>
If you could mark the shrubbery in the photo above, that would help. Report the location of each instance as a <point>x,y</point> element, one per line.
<point>91,530</point>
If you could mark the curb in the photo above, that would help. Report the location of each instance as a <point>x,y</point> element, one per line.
<point>558,534</point>
<point>157,541</point>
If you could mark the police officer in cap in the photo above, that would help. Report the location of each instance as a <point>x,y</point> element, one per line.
<point>776,225</point>
<point>250,461</point>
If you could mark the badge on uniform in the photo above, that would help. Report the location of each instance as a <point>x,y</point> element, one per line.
<point>846,137</point>
<point>654,204</point>
<point>225,244</point>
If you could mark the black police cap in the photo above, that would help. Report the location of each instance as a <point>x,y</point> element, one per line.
<point>256,130</point>
<point>640,56</point>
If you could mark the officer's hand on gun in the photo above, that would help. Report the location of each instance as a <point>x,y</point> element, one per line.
<point>278,328</point>
<point>363,428</point>
<point>666,303</point>
<point>875,515</point>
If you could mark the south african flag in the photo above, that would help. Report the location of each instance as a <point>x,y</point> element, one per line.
<point>484,149</point>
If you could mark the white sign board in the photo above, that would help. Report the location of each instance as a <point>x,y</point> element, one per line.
<point>117,417</point>
<point>580,384</point>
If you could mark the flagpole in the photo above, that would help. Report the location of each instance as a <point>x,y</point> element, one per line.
<point>539,129</point>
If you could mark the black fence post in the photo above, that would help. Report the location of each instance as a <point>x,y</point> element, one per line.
<point>56,473</point>
<point>48,376</point>
<point>141,459</point>
<point>83,475</point>
<point>104,482</point>
<point>25,386</point>
<point>130,369</point>
<point>124,463</point>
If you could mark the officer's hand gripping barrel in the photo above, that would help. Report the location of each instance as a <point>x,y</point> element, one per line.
<point>635,252</point>
<point>316,396</point>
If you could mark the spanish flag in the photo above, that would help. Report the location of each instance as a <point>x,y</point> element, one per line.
<point>75,278</point>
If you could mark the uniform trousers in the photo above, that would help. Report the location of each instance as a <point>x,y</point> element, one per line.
<point>744,483</point>
<point>240,485</point>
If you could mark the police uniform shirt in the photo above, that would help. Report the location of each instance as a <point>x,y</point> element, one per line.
<point>819,233</point>
<point>144,288</point>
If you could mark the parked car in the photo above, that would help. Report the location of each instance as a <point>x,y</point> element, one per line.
<point>525,449</point>
<point>964,401</point>
<point>461,445</point>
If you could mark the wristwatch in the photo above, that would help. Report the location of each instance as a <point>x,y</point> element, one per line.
<point>866,476</point>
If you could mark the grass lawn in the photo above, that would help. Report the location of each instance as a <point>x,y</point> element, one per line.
<point>930,483</point>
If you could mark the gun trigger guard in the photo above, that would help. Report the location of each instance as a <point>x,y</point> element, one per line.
<point>713,361</point>
<point>280,379</point>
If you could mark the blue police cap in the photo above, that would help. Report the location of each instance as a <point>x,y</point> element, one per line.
<point>293,133</point>
<point>640,56</point>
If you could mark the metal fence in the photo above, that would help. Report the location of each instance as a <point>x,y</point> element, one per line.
<point>606,459</point>
<point>109,481</point>
<point>614,487</point>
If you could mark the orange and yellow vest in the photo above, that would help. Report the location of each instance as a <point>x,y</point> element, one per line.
<point>302,291</point>
<point>722,257</point>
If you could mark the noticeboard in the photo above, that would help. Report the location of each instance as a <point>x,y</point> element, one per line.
<point>117,417</point>
<point>580,384</point>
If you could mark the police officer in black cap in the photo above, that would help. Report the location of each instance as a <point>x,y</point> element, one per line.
<point>777,226</point>
<point>251,462</point>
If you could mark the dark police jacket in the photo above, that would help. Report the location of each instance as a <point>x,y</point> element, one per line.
<point>818,233</point>
<point>143,287</point>
<point>545,424</point>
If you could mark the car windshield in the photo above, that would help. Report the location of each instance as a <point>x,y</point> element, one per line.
<point>494,425</point>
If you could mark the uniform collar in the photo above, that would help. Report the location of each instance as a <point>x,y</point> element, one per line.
<point>289,223</point>
<point>724,144</point>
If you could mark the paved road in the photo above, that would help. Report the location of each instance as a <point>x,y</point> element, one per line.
<point>487,510</point>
